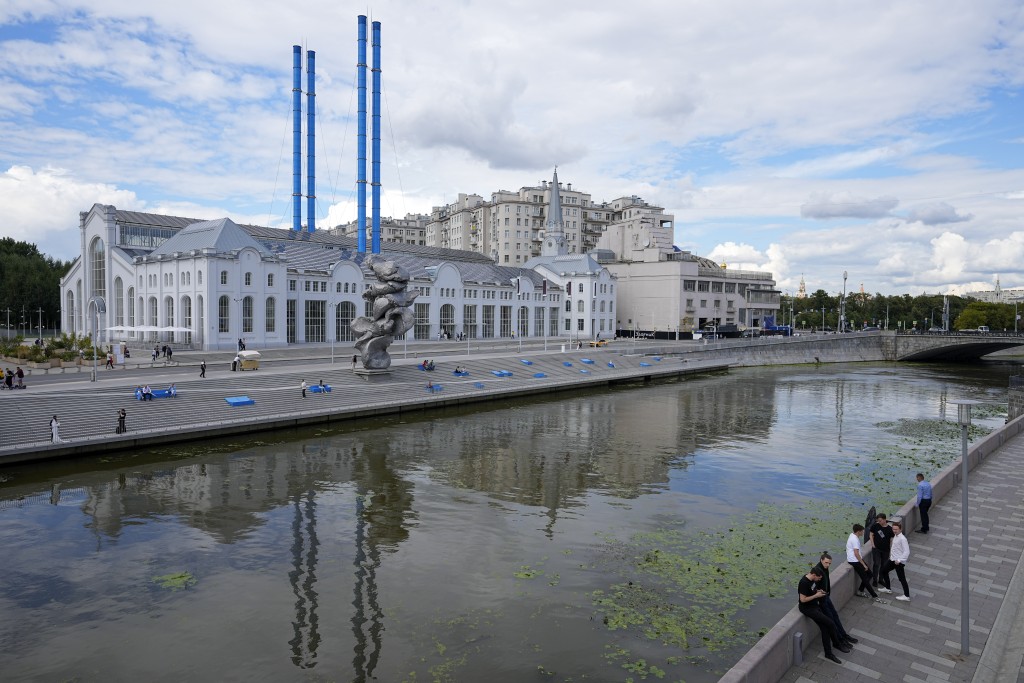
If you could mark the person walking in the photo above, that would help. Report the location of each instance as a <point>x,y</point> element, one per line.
<point>857,563</point>
<point>898,556</point>
<point>354,358</point>
<point>170,354</point>
<point>881,537</point>
<point>303,386</point>
<point>810,594</point>
<point>202,369</point>
<point>122,415</point>
<point>110,361</point>
<point>924,501</point>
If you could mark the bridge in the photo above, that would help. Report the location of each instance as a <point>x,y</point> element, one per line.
<point>952,347</point>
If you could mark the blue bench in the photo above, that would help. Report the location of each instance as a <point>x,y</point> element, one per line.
<point>464,373</point>
<point>434,388</point>
<point>157,393</point>
<point>525,362</point>
<point>645,365</point>
<point>430,369</point>
<point>501,373</point>
<point>478,385</point>
<point>657,358</point>
<point>566,363</point>
<point>539,375</point>
<point>316,389</point>
<point>235,401</point>
<point>587,361</point>
<point>584,371</point>
<point>611,364</point>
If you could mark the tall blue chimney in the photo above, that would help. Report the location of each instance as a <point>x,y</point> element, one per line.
<point>375,161</point>
<point>361,137</point>
<point>310,141</point>
<point>296,138</point>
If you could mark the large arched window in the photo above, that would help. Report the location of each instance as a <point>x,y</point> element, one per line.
<point>153,320</point>
<point>247,313</point>
<point>131,306</point>
<point>186,316</point>
<point>97,258</point>
<point>223,314</point>
<point>581,306</point>
<point>69,312</point>
<point>118,302</point>
<point>448,320</point>
<point>270,323</point>
<point>343,327</point>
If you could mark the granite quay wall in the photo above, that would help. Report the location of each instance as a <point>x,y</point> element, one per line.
<point>773,655</point>
<point>844,348</point>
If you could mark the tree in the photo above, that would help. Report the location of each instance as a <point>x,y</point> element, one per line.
<point>29,281</point>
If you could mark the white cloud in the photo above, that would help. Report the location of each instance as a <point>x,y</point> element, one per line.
<point>937,213</point>
<point>847,206</point>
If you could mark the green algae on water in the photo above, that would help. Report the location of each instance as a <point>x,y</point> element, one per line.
<point>176,581</point>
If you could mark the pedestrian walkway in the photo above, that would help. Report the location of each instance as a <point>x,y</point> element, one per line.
<point>88,409</point>
<point>919,641</point>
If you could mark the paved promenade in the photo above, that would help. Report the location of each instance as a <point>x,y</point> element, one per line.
<point>919,641</point>
<point>87,409</point>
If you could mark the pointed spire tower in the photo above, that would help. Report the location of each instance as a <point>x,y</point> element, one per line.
<point>554,235</point>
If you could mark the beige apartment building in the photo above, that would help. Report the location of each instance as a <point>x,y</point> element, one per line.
<point>409,230</point>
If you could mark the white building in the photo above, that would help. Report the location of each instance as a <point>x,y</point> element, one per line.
<point>409,230</point>
<point>148,278</point>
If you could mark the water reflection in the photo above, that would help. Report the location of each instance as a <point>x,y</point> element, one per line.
<point>375,547</point>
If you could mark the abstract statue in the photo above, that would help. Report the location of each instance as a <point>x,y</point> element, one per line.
<point>391,315</point>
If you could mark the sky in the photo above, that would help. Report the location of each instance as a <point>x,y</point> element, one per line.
<point>807,138</point>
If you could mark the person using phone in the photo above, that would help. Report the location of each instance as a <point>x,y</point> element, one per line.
<point>810,594</point>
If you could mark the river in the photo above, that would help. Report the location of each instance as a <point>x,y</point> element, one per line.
<point>644,532</point>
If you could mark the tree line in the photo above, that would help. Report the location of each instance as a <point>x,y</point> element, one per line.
<point>897,312</point>
<point>29,282</point>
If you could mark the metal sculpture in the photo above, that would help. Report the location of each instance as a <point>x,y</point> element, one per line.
<point>391,316</point>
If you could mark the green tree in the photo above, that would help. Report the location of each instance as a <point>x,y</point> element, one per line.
<point>29,281</point>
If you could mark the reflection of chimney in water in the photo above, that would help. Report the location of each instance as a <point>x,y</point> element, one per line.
<point>302,577</point>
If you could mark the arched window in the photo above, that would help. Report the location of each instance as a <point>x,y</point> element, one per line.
<point>448,319</point>
<point>169,312</point>
<point>97,257</point>
<point>131,306</point>
<point>524,322</point>
<point>186,316</point>
<point>248,279</point>
<point>271,311</point>
<point>247,313</point>
<point>118,301</point>
<point>568,306</point>
<point>199,277</point>
<point>153,312</point>
<point>602,306</point>
<point>580,306</point>
<point>343,325</point>
<point>69,312</point>
<point>223,314</point>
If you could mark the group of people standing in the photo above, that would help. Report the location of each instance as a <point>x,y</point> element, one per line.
<point>891,553</point>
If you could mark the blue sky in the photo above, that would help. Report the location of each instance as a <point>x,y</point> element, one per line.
<point>799,137</point>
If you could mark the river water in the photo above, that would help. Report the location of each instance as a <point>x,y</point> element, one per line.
<point>646,531</point>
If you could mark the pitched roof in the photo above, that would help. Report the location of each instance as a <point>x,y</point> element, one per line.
<point>222,235</point>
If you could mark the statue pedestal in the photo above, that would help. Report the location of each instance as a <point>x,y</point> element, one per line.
<point>373,376</point>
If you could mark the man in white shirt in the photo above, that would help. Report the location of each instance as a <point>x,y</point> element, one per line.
<point>898,556</point>
<point>853,556</point>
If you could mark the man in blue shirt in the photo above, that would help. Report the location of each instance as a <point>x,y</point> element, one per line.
<point>924,501</point>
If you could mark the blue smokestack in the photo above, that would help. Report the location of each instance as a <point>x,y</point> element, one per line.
<point>361,137</point>
<point>296,138</point>
<point>310,142</point>
<point>375,160</point>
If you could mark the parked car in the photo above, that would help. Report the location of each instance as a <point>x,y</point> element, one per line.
<point>599,342</point>
<point>871,329</point>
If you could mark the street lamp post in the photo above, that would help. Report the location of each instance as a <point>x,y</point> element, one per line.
<point>101,309</point>
<point>964,420</point>
<point>9,323</point>
<point>842,307</point>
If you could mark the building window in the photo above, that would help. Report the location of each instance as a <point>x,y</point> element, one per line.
<point>270,279</point>
<point>223,313</point>
<point>269,319</point>
<point>316,321</point>
<point>291,285</point>
<point>343,321</point>
<point>199,277</point>
<point>248,279</point>
<point>421,329</point>
<point>469,321</point>
<point>223,277</point>
<point>247,313</point>
<point>99,268</point>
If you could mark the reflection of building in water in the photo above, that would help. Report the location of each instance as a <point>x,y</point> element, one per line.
<point>226,496</point>
<point>550,454</point>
